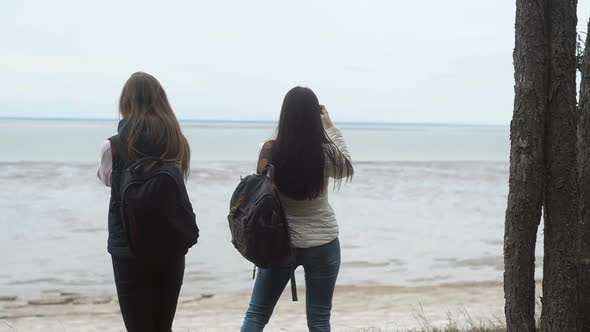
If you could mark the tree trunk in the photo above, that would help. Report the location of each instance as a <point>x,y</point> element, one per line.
<point>584,186</point>
<point>525,196</point>
<point>559,304</point>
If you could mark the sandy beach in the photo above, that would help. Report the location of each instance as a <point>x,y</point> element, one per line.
<point>356,308</point>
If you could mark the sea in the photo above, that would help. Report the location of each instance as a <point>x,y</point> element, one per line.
<point>426,205</point>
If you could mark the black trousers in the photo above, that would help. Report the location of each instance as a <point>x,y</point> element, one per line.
<point>148,292</point>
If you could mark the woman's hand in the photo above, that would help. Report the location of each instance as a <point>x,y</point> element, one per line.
<point>326,121</point>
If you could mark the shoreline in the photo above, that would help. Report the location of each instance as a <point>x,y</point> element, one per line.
<point>387,308</point>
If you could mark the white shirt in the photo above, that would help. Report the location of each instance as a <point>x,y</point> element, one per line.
<point>105,167</point>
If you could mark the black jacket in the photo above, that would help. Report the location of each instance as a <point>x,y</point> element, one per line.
<point>118,244</point>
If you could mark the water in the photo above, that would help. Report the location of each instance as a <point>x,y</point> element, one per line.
<point>426,205</point>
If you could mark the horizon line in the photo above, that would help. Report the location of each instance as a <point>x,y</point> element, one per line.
<point>384,123</point>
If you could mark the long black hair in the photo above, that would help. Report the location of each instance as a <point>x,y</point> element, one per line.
<point>300,150</point>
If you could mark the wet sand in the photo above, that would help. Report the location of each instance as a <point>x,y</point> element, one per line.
<point>355,308</point>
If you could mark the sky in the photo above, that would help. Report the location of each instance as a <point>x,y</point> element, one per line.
<point>426,61</point>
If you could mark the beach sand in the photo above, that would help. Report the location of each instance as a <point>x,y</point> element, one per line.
<point>356,308</point>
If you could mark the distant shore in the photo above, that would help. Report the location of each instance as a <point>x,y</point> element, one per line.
<point>355,307</point>
<point>271,122</point>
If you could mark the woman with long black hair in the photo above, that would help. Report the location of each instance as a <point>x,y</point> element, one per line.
<point>147,289</point>
<point>306,153</point>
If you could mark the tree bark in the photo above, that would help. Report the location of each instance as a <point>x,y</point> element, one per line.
<point>559,304</point>
<point>525,196</point>
<point>584,187</point>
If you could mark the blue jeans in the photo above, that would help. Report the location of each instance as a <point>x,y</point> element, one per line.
<point>321,265</point>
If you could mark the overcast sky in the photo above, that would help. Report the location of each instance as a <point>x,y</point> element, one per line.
<point>383,60</point>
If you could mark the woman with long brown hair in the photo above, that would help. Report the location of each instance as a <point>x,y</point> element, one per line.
<point>147,289</point>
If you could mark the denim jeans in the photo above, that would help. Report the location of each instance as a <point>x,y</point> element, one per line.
<point>321,265</point>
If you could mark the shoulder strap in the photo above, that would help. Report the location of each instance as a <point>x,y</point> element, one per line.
<point>119,152</point>
<point>269,171</point>
<point>265,157</point>
<point>293,287</point>
<point>120,149</point>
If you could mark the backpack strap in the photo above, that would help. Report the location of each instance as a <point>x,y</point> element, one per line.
<point>293,284</point>
<point>119,149</point>
<point>265,156</point>
<point>269,171</point>
<point>119,152</point>
<point>293,287</point>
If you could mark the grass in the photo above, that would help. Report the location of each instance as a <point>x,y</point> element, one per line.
<point>461,322</point>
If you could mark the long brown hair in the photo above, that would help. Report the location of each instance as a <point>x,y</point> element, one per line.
<point>145,107</point>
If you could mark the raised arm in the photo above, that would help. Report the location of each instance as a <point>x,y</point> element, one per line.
<point>340,150</point>
<point>341,155</point>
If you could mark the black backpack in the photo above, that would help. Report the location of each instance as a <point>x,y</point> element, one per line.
<point>258,224</point>
<point>156,211</point>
